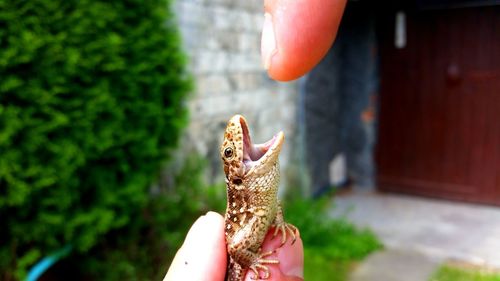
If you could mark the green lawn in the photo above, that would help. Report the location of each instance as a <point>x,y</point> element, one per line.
<point>318,267</point>
<point>331,245</point>
<point>455,273</point>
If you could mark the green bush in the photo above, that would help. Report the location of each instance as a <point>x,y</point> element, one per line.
<point>91,101</point>
<point>158,231</point>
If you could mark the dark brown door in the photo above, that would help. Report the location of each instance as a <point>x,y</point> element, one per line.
<point>439,131</point>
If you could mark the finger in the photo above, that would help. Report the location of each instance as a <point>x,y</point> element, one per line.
<point>291,258</point>
<point>297,34</point>
<point>202,256</point>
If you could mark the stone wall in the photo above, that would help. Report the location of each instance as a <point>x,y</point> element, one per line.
<point>222,39</point>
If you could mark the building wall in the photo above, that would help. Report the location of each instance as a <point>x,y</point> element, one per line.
<point>222,40</point>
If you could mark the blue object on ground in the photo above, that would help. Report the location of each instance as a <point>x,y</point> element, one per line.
<point>38,269</point>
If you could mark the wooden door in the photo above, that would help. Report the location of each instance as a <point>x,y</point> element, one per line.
<point>439,130</point>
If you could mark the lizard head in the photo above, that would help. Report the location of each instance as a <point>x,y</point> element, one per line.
<point>241,157</point>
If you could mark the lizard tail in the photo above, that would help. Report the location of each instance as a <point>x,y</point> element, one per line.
<point>234,271</point>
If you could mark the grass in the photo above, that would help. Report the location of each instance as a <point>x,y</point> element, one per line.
<point>460,273</point>
<point>331,245</point>
<point>318,267</point>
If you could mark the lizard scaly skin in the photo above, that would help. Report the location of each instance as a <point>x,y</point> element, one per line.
<point>252,178</point>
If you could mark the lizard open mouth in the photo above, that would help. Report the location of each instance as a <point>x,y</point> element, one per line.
<point>259,154</point>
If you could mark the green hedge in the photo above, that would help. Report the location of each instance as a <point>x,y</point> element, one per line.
<point>91,101</point>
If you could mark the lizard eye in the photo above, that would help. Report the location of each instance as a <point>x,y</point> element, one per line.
<point>228,152</point>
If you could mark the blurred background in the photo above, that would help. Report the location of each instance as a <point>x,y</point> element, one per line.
<point>112,113</point>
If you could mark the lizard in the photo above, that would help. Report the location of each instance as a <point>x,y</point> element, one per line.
<point>252,179</point>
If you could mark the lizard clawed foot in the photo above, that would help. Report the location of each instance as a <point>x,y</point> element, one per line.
<point>284,228</point>
<point>259,265</point>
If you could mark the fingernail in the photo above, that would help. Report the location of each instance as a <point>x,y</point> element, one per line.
<point>201,226</point>
<point>268,42</point>
<point>212,215</point>
<point>197,225</point>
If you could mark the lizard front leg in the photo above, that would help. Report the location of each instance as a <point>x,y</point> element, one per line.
<point>256,261</point>
<point>280,225</point>
<point>244,249</point>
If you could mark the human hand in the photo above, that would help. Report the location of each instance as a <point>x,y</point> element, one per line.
<point>297,34</point>
<point>203,255</point>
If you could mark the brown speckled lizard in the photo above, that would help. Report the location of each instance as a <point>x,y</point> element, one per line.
<point>252,178</point>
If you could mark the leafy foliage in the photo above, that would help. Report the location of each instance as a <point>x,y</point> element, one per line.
<point>456,273</point>
<point>318,267</point>
<point>335,238</point>
<point>157,232</point>
<point>330,244</point>
<point>91,101</point>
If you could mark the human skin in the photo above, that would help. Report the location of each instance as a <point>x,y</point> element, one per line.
<point>203,254</point>
<point>297,35</point>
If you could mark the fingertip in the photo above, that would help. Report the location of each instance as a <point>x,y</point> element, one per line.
<point>203,252</point>
<point>214,217</point>
<point>302,31</point>
<point>210,224</point>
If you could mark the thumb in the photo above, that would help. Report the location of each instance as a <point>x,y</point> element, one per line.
<point>297,34</point>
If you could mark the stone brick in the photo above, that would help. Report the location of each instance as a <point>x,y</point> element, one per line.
<point>213,84</point>
<point>226,40</point>
<point>191,13</point>
<point>211,62</point>
<point>249,5</point>
<point>237,20</point>
<point>208,106</point>
<point>192,36</point>
<point>244,81</point>
<point>249,42</point>
<point>257,22</point>
<point>244,62</point>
